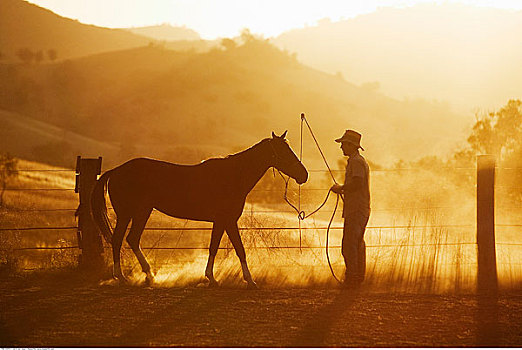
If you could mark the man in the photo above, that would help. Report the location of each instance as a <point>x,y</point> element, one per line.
<point>356,209</point>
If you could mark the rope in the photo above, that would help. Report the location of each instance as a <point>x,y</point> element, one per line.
<point>301,216</point>
<point>327,235</point>
<point>303,118</point>
<point>300,213</point>
<point>300,159</point>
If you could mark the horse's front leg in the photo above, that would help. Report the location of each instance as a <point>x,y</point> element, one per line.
<point>217,233</point>
<point>235,238</point>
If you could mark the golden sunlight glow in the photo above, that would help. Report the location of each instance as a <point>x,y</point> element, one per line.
<point>147,180</point>
<point>214,19</point>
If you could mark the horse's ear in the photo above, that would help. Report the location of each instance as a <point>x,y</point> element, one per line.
<point>284,135</point>
<point>273,135</point>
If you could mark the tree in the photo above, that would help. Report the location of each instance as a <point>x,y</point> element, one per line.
<point>247,36</point>
<point>228,44</point>
<point>8,171</point>
<point>498,133</point>
<point>25,55</point>
<point>52,55</point>
<point>38,56</point>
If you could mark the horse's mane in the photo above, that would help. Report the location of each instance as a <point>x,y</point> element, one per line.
<point>238,154</point>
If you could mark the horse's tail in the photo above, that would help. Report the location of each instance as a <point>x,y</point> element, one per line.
<point>99,207</point>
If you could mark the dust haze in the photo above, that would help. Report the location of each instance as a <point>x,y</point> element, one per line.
<point>427,94</point>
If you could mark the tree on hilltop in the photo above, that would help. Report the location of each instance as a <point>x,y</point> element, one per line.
<point>38,56</point>
<point>228,44</point>
<point>8,171</point>
<point>247,36</point>
<point>25,55</point>
<point>52,55</point>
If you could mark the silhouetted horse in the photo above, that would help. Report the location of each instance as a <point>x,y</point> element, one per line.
<point>214,190</point>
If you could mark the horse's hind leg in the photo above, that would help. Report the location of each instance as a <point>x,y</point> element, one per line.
<point>117,238</point>
<point>217,233</point>
<point>133,238</point>
<point>235,238</point>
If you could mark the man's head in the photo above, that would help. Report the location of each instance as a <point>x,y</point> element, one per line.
<point>348,148</point>
<point>350,142</point>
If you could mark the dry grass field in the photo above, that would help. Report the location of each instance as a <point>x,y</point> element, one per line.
<point>419,291</point>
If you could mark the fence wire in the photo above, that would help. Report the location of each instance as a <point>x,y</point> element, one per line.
<point>265,228</point>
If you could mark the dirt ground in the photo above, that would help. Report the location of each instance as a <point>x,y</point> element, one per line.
<point>56,311</point>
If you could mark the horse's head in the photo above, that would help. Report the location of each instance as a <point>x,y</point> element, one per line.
<point>285,160</point>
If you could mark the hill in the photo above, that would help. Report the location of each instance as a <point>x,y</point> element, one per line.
<point>25,25</point>
<point>468,56</point>
<point>165,32</point>
<point>175,38</point>
<point>153,101</point>
<point>40,141</point>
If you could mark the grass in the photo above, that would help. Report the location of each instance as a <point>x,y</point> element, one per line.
<point>425,256</point>
<point>24,209</point>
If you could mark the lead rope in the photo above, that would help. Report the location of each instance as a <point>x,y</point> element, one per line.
<point>303,118</point>
<point>300,213</point>
<point>299,203</point>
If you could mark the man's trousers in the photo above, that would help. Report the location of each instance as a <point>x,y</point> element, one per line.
<point>354,247</point>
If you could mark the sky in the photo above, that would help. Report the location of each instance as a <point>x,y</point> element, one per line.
<point>226,18</point>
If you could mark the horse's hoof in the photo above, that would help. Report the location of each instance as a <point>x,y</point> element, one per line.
<point>252,285</point>
<point>149,281</point>
<point>213,284</point>
<point>121,280</point>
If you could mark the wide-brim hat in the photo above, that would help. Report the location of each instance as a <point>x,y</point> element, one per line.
<point>352,137</point>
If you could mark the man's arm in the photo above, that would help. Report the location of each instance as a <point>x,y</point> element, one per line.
<point>353,186</point>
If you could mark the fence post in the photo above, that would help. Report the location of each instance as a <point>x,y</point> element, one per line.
<point>487,261</point>
<point>89,240</point>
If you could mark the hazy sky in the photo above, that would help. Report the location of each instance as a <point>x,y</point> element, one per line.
<point>226,18</point>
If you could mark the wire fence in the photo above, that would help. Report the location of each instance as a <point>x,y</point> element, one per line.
<point>263,228</point>
<point>276,247</point>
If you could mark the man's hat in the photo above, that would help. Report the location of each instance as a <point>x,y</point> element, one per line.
<point>352,137</point>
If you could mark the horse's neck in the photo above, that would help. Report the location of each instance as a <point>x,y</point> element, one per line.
<point>253,164</point>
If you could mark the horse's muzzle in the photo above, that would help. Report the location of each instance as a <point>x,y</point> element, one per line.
<point>302,179</point>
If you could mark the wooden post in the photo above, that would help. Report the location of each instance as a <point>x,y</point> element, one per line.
<point>89,239</point>
<point>487,261</point>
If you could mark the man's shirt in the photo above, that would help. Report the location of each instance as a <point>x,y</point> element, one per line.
<point>357,202</point>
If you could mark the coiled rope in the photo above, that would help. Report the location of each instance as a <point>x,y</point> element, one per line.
<point>301,215</point>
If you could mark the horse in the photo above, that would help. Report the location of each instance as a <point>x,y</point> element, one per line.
<point>214,191</point>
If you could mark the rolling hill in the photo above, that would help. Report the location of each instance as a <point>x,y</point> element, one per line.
<point>152,101</point>
<point>165,32</point>
<point>37,140</point>
<point>24,25</point>
<point>129,98</point>
<point>175,38</point>
<point>468,56</point>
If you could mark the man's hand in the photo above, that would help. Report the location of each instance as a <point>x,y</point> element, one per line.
<point>337,189</point>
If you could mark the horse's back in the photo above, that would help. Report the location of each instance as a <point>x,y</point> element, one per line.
<point>145,166</point>
<point>176,189</point>
<point>150,175</point>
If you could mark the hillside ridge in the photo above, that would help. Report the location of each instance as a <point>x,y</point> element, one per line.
<point>25,25</point>
<point>443,52</point>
